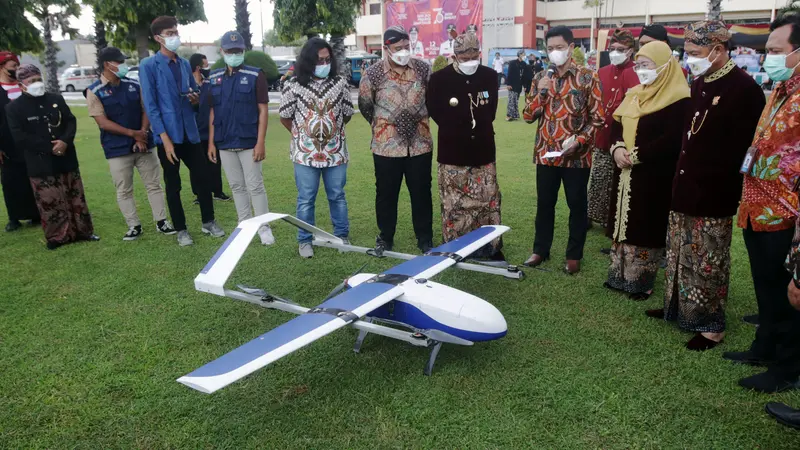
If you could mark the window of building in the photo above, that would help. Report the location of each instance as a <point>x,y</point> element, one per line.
<point>374,9</point>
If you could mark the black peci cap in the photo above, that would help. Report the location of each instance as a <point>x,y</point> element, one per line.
<point>112,54</point>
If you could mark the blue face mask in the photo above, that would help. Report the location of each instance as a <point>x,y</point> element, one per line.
<point>233,59</point>
<point>775,66</point>
<point>322,71</point>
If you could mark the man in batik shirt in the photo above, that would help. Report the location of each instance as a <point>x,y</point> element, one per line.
<point>768,213</point>
<point>569,108</point>
<point>392,99</point>
<point>616,78</point>
<point>725,106</point>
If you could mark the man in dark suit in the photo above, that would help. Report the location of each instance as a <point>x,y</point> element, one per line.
<point>519,78</point>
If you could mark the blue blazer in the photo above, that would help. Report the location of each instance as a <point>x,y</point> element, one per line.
<point>165,102</point>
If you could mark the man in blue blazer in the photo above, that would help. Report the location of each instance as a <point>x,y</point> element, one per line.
<point>168,92</point>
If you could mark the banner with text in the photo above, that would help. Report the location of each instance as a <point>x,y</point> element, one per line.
<point>429,23</point>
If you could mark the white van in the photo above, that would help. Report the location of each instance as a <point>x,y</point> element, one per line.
<point>77,78</point>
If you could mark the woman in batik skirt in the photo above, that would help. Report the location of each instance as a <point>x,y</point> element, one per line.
<point>44,128</point>
<point>648,132</point>
<point>462,100</point>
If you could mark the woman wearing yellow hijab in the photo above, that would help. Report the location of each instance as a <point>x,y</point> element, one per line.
<point>649,131</point>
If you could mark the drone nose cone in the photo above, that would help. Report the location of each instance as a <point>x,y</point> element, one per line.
<point>486,319</point>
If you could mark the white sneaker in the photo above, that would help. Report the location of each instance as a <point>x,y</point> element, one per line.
<point>265,233</point>
<point>306,250</point>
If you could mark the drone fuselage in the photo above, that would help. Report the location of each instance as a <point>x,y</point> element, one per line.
<point>427,305</point>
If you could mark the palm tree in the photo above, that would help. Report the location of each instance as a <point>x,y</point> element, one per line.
<point>714,9</point>
<point>243,22</point>
<point>54,15</point>
<point>100,41</point>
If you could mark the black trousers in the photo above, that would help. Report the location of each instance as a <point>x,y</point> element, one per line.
<point>778,333</point>
<point>17,191</point>
<point>214,173</point>
<point>548,183</point>
<point>389,174</point>
<point>195,159</point>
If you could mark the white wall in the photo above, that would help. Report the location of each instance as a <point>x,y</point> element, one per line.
<point>573,10</point>
<point>369,25</point>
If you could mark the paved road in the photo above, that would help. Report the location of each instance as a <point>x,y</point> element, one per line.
<point>76,98</point>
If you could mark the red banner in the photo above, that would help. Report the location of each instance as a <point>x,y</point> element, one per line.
<point>430,21</point>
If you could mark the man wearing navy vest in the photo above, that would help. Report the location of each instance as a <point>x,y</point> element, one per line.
<point>200,71</point>
<point>168,92</point>
<point>115,104</point>
<point>239,98</point>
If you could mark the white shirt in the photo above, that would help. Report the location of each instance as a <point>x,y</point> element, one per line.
<point>417,50</point>
<point>498,65</point>
<point>446,49</point>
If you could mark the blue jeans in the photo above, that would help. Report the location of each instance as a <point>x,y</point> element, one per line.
<point>307,180</point>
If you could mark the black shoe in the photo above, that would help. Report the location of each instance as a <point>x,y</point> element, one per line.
<point>769,382</point>
<point>752,319</point>
<point>381,246</point>
<point>35,222</point>
<point>700,343</point>
<point>196,201</point>
<point>222,197</point>
<point>784,414</point>
<point>133,233</point>
<point>655,313</point>
<point>13,225</point>
<point>425,247</point>
<point>746,358</point>
<point>92,238</point>
<point>164,227</point>
<point>605,251</point>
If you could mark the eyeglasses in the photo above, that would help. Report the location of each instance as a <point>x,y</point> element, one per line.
<point>323,61</point>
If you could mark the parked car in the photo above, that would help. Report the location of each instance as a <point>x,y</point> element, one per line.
<point>77,78</point>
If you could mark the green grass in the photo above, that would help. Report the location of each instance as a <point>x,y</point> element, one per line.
<point>93,336</point>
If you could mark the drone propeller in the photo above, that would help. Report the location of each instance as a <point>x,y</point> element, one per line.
<point>341,286</point>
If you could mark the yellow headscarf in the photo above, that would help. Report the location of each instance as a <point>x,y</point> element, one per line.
<point>640,101</point>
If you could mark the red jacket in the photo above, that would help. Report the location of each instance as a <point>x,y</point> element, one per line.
<point>616,80</point>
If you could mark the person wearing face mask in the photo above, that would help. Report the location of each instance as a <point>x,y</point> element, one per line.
<point>647,133</point>
<point>768,213</point>
<point>724,110</point>
<point>169,92</point>
<point>200,72</point>
<point>315,107</point>
<point>417,48</point>
<point>391,98</point>
<point>17,193</point>
<point>114,102</point>
<point>519,79</point>
<point>616,78</point>
<point>462,100</point>
<point>567,103</point>
<point>238,118</point>
<point>43,128</point>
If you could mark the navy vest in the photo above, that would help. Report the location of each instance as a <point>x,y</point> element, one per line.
<point>122,105</point>
<point>235,108</point>
<point>203,111</point>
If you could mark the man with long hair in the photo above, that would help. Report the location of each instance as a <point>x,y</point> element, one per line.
<point>315,106</point>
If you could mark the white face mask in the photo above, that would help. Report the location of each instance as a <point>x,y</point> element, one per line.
<point>699,66</point>
<point>618,58</point>
<point>173,43</point>
<point>36,89</point>
<point>401,58</point>
<point>468,67</point>
<point>648,76</point>
<point>559,57</point>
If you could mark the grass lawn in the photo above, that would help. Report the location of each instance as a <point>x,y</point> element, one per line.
<point>93,336</point>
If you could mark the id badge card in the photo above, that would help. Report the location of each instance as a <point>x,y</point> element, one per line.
<point>749,160</point>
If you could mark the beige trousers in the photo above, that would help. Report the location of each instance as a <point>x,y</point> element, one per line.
<point>149,169</point>
<point>246,182</point>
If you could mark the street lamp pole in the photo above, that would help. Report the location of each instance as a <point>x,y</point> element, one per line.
<point>261,10</point>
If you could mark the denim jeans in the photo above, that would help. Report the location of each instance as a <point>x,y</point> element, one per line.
<point>307,180</point>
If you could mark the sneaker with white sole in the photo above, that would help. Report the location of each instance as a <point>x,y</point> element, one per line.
<point>345,240</point>
<point>164,227</point>
<point>211,228</point>
<point>306,250</point>
<point>133,233</point>
<point>184,239</point>
<point>265,233</point>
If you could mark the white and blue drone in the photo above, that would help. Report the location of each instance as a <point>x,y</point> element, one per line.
<point>400,303</point>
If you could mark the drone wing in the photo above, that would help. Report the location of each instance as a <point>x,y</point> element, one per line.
<point>333,314</point>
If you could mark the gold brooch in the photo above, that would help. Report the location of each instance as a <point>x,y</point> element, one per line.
<point>715,102</point>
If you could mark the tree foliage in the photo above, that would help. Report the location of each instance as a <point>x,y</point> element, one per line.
<point>440,63</point>
<point>272,39</point>
<point>129,20</point>
<point>99,40</point>
<point>579,57</point>
<point>243,22</point>
<point>258,59</point>
<point>17,33</point>
<point>54,16</point>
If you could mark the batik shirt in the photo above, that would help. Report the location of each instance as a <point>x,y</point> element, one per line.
<point>318,113</point>
<point>392,100</point>
<point>768,200</point>
<point>574,109</point>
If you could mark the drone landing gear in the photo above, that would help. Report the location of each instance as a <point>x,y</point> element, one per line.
<point>424,341</point>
